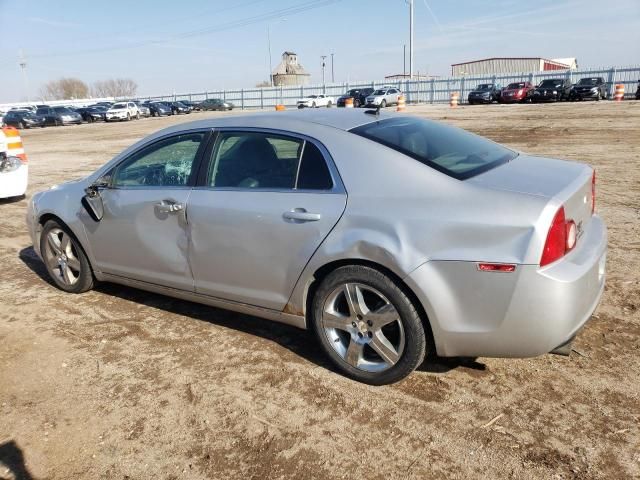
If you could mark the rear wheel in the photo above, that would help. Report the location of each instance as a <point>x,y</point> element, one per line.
<point>329,104</point>
<point>356,103</point>
<point>64,258</point>
<point>368,326</point>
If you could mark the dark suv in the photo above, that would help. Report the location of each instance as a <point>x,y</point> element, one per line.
<point>485,93</point>
<point>358,94</point>
<point>592,87</point>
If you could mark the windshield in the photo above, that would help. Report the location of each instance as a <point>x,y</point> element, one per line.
<point>551,83</point>
<point>42,111</point>
<point>353,93</point>
<point>588,81</point>
<point>119,106</point>
<point>484,86</point>
<point>453,151</point>
<point>380,92</point>
<point>515,86</point>
<point>62,110</point>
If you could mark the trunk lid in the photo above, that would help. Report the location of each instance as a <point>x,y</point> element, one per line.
<point>567,182</point>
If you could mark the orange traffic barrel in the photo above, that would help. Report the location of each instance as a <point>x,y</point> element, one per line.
<point>280,107</point>
<point>453,102</point>
<point>348,103</point>
<point>619,92</point>
<point>14,143</point>
<point>401,104</point>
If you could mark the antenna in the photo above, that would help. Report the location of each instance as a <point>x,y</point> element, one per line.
<point>23,66</point>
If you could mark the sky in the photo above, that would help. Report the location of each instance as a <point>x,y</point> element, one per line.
<point>196,45</point>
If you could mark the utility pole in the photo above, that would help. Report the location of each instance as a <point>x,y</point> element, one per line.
<point>333,78</point>
<point>269,46</point>
<point>323,65</point>
<point>410,2</point>
<point>23,66</point>
<point>404,59</point>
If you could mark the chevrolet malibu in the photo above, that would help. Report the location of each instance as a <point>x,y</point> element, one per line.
<point>389,236</point>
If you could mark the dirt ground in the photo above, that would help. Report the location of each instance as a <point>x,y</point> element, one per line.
<point>122,384</point>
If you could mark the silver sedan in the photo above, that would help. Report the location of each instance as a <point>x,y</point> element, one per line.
<point>390,236</point>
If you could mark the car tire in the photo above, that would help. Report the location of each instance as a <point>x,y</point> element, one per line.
<point>64,259</point>
<point>329,104</point>
<point>351,334</point>
<point>383,104</point>
<point>598,96</point>
<point>137,116</point>
<point>356,103</point>
<point>313,105</point>
<point>21,125</point>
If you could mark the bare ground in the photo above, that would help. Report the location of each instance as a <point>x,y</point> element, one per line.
<point>122,384</point>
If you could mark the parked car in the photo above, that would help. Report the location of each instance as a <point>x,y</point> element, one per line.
<point>122,111</point>
<point>592,87</point>
<point>193,105</point>
<point>158,109</point>
<point>178,108</point>
<point>23,119</point>
<point>359,96</point>
<point>14,173</point>
<point>484,93</point>
<point>449,239</point>
<point>51,117</point>
<point>216,104</point>
<point>552,89</point>
<point>143,110</point>
<point>517,92</point>
<point>638,91</point>
<point>383,97</point>
<point>315,101</point>
<point>95,113</point>
<point>67,116</point>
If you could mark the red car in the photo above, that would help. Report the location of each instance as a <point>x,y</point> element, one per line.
<point>517,92</point>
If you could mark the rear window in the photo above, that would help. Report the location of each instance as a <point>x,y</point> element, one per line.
<point>453,151</point>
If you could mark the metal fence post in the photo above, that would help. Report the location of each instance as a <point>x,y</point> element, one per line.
<point>262,98</point>
<point>433,91</point>
<point>242,99</point>
<point>612,80</point>
<point>462,81</point>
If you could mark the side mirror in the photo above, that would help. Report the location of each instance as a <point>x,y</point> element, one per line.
<point>92,201</point>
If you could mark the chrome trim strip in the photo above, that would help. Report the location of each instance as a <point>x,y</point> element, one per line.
<point>268,314</point>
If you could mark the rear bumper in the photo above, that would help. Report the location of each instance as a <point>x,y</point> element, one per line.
<point>522,314</point>
<point>14,184</point>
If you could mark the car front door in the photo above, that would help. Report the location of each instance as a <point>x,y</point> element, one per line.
<point>260,210</point>
<point>142,234</point>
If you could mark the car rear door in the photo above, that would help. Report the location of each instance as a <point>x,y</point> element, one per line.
<point>263,205</point>
<point>143,233</point>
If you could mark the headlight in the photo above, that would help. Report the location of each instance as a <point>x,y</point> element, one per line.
<point>594,89</point>
<point>555,92</point>
<point>9,164</point>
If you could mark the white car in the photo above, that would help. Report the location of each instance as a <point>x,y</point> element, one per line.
<point>315,101</point>
<point>122,111</point>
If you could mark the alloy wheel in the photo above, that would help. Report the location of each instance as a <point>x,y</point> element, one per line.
<point>363,327</point>
<point>61,257</point>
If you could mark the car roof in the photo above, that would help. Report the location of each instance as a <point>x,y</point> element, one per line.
<point>294,120</point>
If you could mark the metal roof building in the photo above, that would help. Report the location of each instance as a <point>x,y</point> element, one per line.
<point>511,65</point>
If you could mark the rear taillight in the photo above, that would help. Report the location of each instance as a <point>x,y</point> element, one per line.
<point>561,238</point>
<point>593,193</point>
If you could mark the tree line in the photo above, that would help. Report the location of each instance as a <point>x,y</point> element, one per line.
<point>68,88</point>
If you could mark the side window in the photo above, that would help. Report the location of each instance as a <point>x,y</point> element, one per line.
<point>166,163</point>
<point>254,160</point>
<point>314,173</point>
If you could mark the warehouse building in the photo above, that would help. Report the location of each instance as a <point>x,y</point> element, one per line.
<point>512,65</point>
<point>289,71</point>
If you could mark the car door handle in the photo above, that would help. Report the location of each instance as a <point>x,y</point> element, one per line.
<point>169,206</point>
<point>301,215</point>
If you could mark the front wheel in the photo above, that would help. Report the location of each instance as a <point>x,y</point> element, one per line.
<point>368,326</point>
<point>128,117</point>
<point>64,259</point>
<point>383,104</point>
